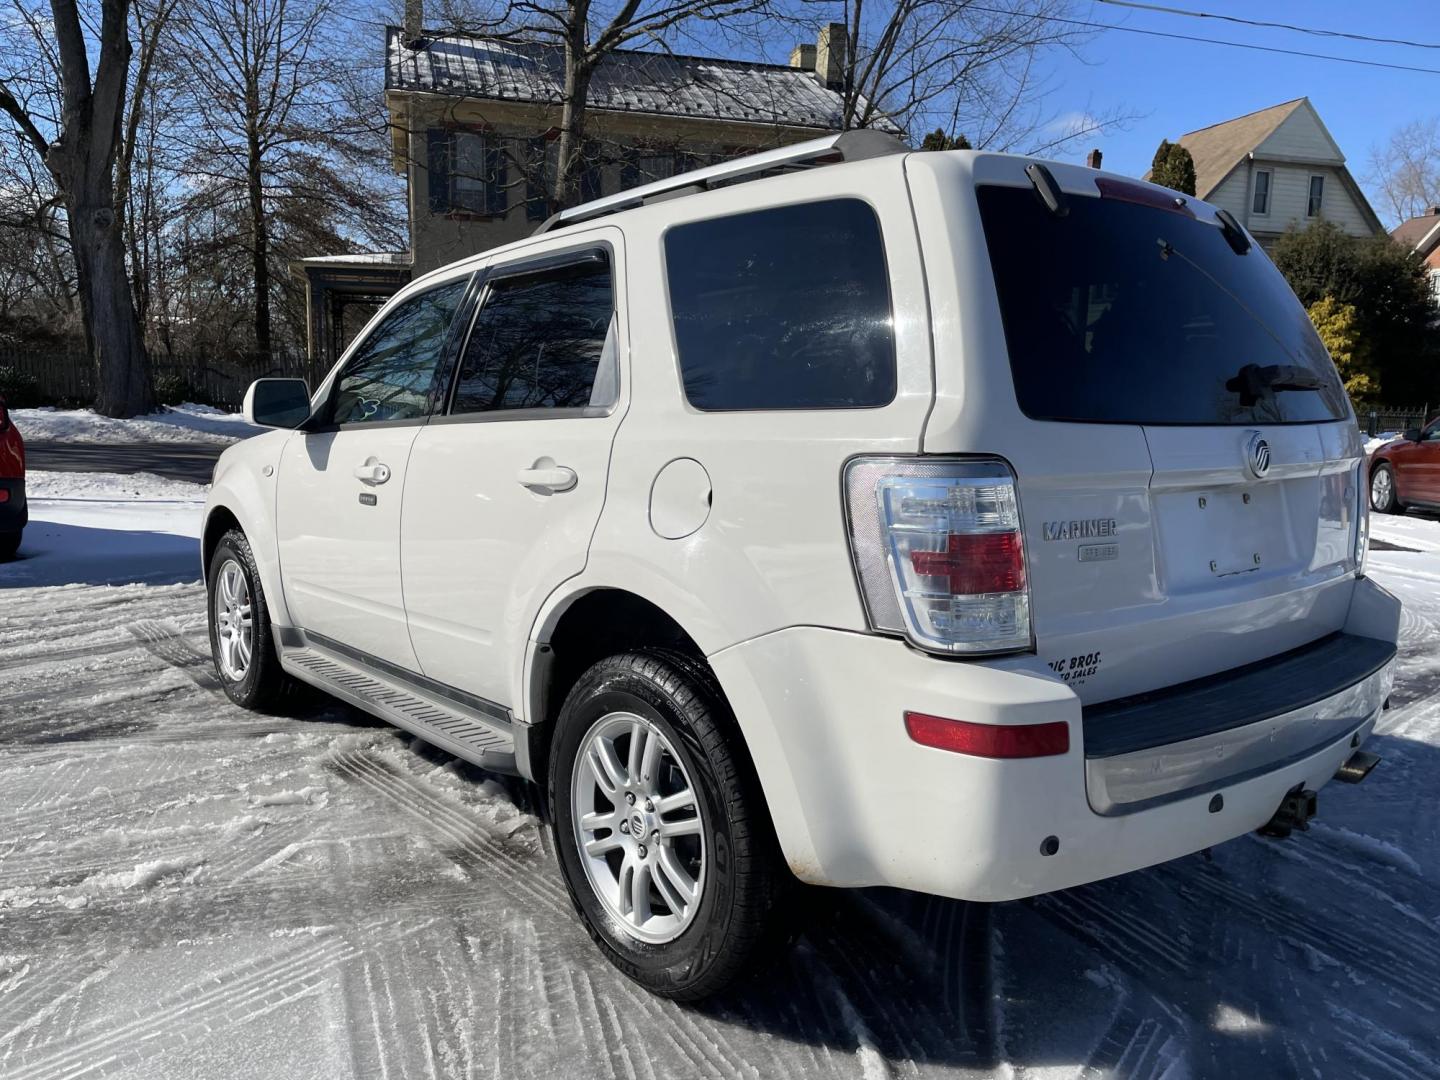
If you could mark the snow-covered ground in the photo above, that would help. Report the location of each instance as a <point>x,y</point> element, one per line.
<point>188,423</point>
<point>107,529</point>
<point>189,890</point>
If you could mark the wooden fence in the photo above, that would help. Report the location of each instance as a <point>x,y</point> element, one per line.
<point>69,377</point>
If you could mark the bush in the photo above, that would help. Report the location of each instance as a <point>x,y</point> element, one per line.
<point>175,390</point>
<point>21,390</point>
<point>1385,283</point>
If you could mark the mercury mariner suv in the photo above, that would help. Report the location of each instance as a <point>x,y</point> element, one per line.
<point>840,515</point>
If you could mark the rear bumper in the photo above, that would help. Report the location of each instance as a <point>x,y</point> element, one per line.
<point>856,802</point>
<point>14,510</point>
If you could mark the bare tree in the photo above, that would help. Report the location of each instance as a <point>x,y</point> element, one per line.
<point>71,117</point>
<point>282,137</point>
<point>588,31</point>
<point>1405,170</point>
<point>963,66</point>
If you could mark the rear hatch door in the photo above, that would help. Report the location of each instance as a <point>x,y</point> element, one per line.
<point>1186,457</point>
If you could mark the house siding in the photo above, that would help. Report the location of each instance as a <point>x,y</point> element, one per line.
<point>1233,194</point>
<point>1301,135</point>
<point>441,237</point>
<point>1290,197</point>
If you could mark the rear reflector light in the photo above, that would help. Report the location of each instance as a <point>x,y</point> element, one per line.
<point>939,551</point>
<point>4,495</point>
<point>989,740</point>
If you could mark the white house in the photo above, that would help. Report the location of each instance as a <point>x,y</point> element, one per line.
<point>1278,167</point>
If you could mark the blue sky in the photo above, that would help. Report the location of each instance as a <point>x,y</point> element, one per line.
<point>1179,86</point>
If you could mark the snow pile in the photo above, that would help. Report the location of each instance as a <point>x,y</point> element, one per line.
<point>43,486</point>
<point>1371,445</point>
<point>187,423</point>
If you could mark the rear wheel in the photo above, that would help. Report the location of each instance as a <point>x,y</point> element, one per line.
<point>1382,491</point>
<point>241,640</point>
<point>663,837</point>
<point>9,545</point>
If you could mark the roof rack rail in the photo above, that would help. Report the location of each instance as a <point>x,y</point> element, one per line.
<point>831,150</point>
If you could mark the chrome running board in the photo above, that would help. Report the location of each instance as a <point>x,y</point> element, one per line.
<point>480,737</point>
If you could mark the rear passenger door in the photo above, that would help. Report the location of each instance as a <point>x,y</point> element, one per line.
<point>504,489</point>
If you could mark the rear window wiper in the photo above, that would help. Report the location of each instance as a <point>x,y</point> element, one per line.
<point>1254,382</point>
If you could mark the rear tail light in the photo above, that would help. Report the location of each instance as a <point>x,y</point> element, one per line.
<point>939,552</point>
<point>989,740</point>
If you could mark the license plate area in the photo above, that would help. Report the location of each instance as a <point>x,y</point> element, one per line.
<point>1219,533</point>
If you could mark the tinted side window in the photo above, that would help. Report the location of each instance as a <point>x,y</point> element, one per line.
<point>390,374</point>
<point>539,341</point>
<point>787,308</point>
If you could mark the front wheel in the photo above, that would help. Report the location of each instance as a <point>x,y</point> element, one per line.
<point>663,837</point>
<point>1382,491</point>
<point>241,639</point>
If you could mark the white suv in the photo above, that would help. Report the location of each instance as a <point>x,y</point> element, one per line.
<point>945,521</point>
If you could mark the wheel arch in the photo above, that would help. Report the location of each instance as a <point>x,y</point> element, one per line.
<point>574,631</point>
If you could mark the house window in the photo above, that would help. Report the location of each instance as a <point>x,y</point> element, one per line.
<point>468,173</point>
<point>1317,193</point>
<point>1261,204</point>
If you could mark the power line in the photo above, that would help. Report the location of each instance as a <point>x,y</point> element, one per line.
<point>1318,32</point>
<point>1217,41</point>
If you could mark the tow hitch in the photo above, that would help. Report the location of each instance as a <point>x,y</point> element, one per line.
<point>1296,810</point>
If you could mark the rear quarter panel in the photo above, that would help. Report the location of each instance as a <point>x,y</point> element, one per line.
<point>773,550</point>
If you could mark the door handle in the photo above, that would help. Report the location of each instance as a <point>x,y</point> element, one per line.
<point>555,479</point>
<point>372,472</point>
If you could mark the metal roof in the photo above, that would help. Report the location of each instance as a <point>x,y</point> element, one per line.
<point>627,80</point>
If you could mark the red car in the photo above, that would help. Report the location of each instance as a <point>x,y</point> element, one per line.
<point>1405,472</point>
<point>13,511</point>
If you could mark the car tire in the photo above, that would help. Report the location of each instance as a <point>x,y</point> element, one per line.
<point>9,545</point>
<point>251,675</point>
<point>723,841</point>
<point>1382,491</point>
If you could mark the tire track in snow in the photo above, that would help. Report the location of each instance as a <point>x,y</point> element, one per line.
<point>149,1032</point>
<point>170,645</point>
<point>1369,954</point>
<point>475,849</point>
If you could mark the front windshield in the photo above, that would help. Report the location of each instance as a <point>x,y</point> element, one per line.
<point>1122,313</point>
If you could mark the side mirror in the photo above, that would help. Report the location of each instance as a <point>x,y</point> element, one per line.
<point>277,403</point>
<point>1413,434</point>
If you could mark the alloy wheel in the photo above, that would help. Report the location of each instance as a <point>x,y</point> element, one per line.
<point>639,827</point>
<point>234,625</point>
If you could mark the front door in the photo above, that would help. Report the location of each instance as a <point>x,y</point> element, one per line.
<point>505,490</point>
<point>339,494</point>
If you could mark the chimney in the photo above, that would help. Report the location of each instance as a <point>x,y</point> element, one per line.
<point>803,57</point>
<point>1092,159</point>
<point>830,52</point>
<point>414,22</point>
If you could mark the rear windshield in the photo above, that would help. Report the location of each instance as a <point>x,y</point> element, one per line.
<point>1122,313</point>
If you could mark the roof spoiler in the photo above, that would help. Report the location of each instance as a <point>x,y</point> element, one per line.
<point>832,150</point>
